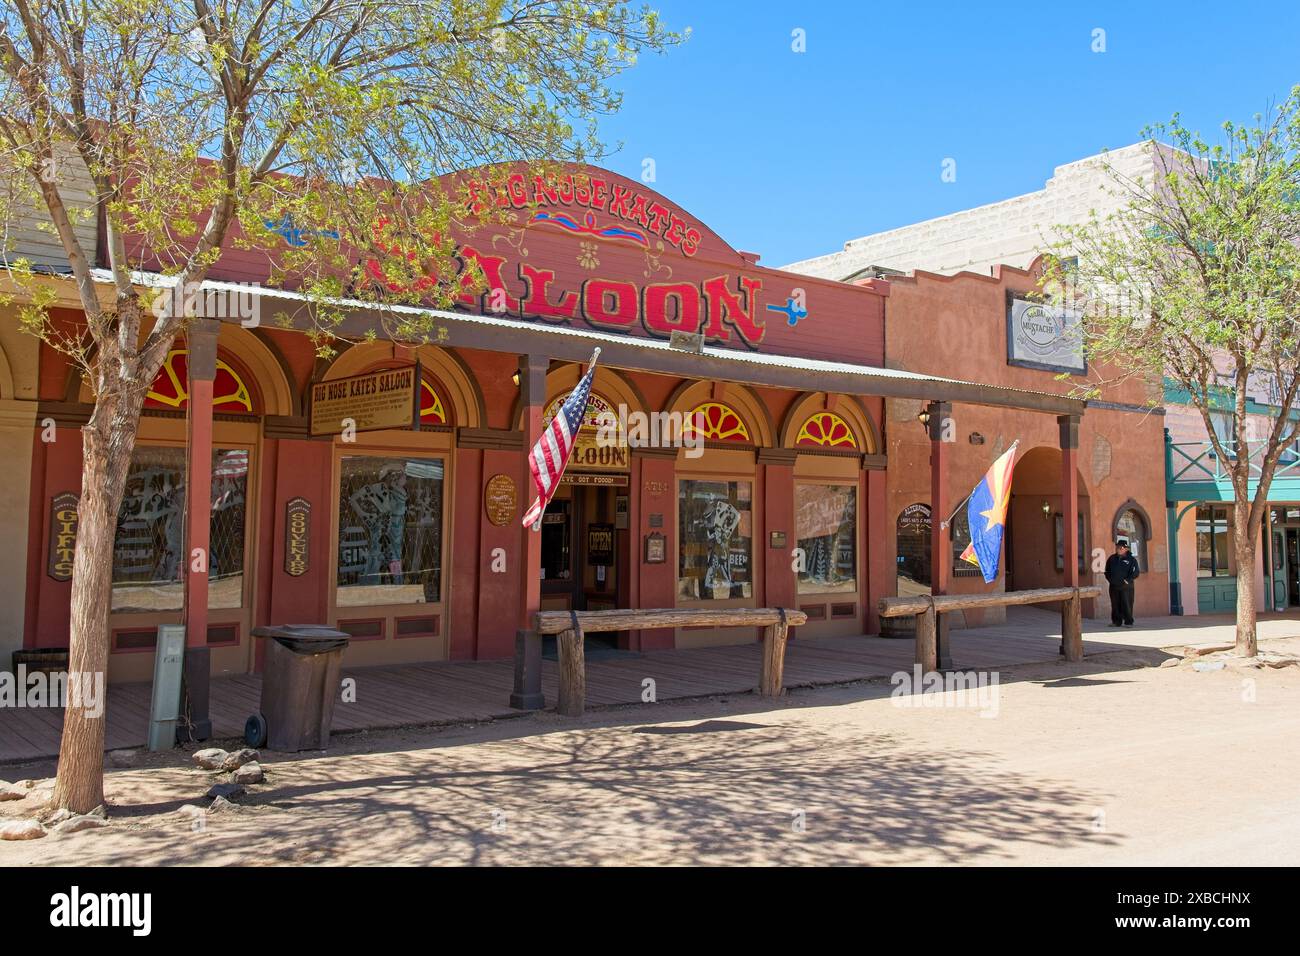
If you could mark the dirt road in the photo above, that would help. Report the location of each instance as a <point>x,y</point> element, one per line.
<point>1117,761</point>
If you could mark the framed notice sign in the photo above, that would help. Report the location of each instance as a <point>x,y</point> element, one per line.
<point>388,398</point>
<point>1044,336</point>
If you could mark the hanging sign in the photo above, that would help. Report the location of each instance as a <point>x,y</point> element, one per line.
<point>600,544</point>
<point>63,536</point>
<point>297,537</point>
<point>388,398</point>
<point>1044,336</point>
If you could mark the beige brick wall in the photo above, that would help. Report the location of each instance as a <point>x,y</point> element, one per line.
<point>1011,232</point>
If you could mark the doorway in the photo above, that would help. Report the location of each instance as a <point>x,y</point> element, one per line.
<point>583,555</point>
<point>1293,566</point>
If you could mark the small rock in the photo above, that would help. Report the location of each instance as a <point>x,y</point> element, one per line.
<point>1208,666</point>
<point>249,773</point>
<point>58,816</point>
<point>21,830</point>
<point>11,791</point>
<point>210,759</point>
<point>1172,662</point>
<point>231,791</point>
<point>221,805</point>
<point>99,811</point>
<point>123,758</point>
<point>240,757</point>
<point>84,822</point>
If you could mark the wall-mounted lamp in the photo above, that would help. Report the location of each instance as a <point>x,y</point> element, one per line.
<point>515,378</point>
<point>1047,510</point>
<point>924,417</point>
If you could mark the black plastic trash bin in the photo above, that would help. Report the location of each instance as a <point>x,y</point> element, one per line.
<point>300,685</point>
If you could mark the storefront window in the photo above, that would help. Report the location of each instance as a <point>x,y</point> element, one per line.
<point>960,530</point>
<point>390,531</point>
<point>1131,528</point>
<point>914,550</point>
<point>715,532</point>
<point>1213,556</point>
<point>148,551</point>
<point>826,528</point>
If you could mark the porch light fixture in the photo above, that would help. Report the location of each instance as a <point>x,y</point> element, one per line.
<point>515,378</point>
<point>1047,510</point>
<point>924,417</point>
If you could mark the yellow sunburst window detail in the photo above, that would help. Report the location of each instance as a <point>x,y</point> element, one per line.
<point>170,388</point>
<point>431,410</point>
<point>826,430</point>
<point>716,422</point>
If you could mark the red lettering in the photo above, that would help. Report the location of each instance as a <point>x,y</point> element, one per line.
<point>535,301</point>
<point>517,190</point>
<point>491,266</point>
<point>658,217</point>
<point>609,303</point>
<point>544,192</point>
<point>727,307</point>
<point>621,204</point>
<point>691,243</point>
<point>675,230</point>
<point>683,315</point>
<point>638,211</point>
<point>599,193</point>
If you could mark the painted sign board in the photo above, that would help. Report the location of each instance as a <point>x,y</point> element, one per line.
<point>388,398</point>
<point>63,536</point>
<point>297,537</point>
<point>1044,336</point>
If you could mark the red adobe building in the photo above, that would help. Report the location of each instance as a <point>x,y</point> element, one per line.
<point>410,539</point>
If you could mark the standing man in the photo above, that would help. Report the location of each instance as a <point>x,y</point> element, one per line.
<point>1121,571</point>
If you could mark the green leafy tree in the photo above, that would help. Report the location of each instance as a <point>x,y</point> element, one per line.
<point>1196,279</point>
<point>192,117</point>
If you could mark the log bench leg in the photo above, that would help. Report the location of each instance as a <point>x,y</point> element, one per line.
<point>927,647</point>
<point>1072,628</point>
<point>772,672</point>
<point>573,673</point>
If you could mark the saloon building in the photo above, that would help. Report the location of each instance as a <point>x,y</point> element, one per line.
<point>795,489</point>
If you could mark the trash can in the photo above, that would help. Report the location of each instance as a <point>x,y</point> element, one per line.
<point>300,685</point>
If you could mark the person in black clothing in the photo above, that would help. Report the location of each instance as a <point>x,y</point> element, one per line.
<point>1121,571</point>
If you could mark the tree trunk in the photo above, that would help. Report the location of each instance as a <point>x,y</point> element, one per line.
<point>1246,644</point>
<point>107,441</point>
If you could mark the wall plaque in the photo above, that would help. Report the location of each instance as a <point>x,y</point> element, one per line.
<point>1044,336</point>
<point>297,537</point>
<point>388,398</point>
<point>656,520</point>
<point>655,548</point>
<point>777,539</point>
<point>63,536</point>
<point>500,499</point>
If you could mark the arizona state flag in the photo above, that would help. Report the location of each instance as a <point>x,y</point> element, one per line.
<point>986,511</point>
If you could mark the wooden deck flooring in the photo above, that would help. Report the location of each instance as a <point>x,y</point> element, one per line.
<point>464,691</point>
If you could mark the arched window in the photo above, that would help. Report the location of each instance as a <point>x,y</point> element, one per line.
<point>914,550</point>
<point>1131,526</point>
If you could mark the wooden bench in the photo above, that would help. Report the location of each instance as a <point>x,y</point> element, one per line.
<point>927,609</point>
<point>570,626</point>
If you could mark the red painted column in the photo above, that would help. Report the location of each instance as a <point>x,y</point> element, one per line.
<point>940,506</point>
<point>1070,497</point>
<point>202,364</point>
<point>781,585</point>
<point>528,643</point>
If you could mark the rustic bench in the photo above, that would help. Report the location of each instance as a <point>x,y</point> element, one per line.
<point>571,625</point>
<point>927,608</point>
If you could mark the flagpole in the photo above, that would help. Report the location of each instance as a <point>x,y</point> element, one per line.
<point>1014,444</point>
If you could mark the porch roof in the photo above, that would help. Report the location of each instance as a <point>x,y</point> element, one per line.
<point>563,343</point>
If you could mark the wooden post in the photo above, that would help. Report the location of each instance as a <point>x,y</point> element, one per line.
<point>1072,628</point>
<point>1069,425</point>
<point>772,671</point>
<point>573,671</point>
<point>201,362</point>
<point>927,648</point>
<point>940,534</point>
<point>527,694</point>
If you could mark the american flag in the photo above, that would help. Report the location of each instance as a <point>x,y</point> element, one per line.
<point>551,453</point>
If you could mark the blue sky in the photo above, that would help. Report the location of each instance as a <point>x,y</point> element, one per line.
<point>790,154</point>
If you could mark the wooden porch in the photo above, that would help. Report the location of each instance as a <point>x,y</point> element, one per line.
<point>459,691</point>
